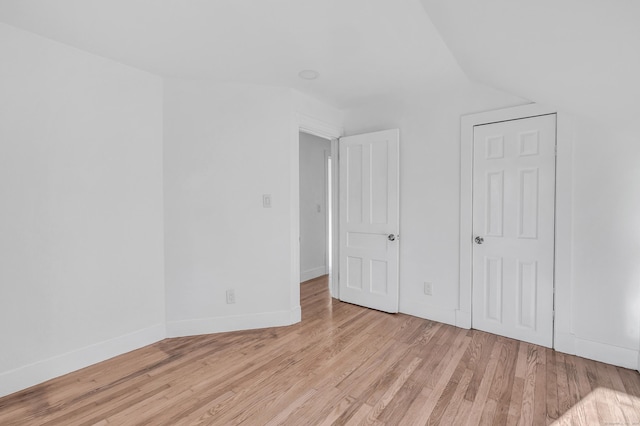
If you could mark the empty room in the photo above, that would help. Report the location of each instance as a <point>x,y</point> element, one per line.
<point>307,212</point>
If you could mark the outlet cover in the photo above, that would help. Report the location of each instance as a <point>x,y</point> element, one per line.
<point>428,289</point>
<point>231,296</point>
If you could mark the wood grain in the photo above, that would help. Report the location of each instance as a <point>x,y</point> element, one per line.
<point>342,364</point>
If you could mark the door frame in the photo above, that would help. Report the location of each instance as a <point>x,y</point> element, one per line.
<point>563,283</point>
<point>328,202</point>
<point>319,128</point>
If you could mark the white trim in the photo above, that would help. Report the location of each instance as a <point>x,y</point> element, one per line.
<point>327,214</point>
<point>233,323</point>
<point>563,326</point>
<point>310,274</point>
<point>615,355</point>
<point>316,127</point>
<point>294,215</point>
<point>564,342</point>
<point>463,319</point>
<point>563,223</point>
<point>334,282</point>
<point>41,371</point>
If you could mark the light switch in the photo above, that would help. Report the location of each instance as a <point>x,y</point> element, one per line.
<point>266,201</point>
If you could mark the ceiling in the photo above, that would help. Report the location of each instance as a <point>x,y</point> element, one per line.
<point>578,55</point>
<point>363,49</point>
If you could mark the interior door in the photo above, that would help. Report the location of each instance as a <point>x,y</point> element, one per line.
<point>369,220</point>
<point>513,228</point>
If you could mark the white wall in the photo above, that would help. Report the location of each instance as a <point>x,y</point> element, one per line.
<point>325,118</point>
<point>606,242</point>
<point>313,206</point>
<point>81,275</point>
<point>81,175</point>
<point>226,146</point>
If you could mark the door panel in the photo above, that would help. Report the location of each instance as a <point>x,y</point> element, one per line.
<point>368,216</point>
<point>513,228</point>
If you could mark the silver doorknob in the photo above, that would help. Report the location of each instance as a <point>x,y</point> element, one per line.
<point>479,240</point>
<point>391,237</point>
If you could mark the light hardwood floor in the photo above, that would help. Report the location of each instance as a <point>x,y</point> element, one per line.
<point>342,364</point>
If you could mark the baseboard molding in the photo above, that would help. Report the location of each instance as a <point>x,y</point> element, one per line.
<point>615,355</point>
<point>421,310</point>
<point>296,315</point>
<point>564,342</point>
<point>41,371</point>
<point>312,273</point>
<point>463,319</point>
<point>233,323</point>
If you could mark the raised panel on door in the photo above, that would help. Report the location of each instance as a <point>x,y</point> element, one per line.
<point>494,203</point>
<point>513,228</point>
<point>527,288</point>
<point>354,164</point>
<point>528,195</point>
<point>368,216</point>
<point>493,289</point>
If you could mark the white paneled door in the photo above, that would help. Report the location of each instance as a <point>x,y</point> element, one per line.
<point>369,220</point>
<point>513,228</point>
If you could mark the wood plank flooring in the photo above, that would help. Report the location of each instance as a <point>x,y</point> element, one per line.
<point>342,365</point>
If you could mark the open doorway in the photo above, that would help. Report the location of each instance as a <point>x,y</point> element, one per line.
<point>325,132</point>
<point>316,219</point>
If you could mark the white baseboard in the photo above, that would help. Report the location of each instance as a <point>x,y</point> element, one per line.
<point>41,371</point>
<point>463,319</point>
<point>421,310</point>
<point>564,342</point>
<point>615,355</point>
<point>312,273</point>
<point>232,323</point>
<point>296,315</point>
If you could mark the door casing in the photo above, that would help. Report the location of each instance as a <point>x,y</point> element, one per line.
<point>563,284</point>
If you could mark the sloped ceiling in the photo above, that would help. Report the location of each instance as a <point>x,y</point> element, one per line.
<point>578,55</point>
<point>363,49</point>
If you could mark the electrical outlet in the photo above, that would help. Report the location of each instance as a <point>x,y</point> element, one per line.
<point>428,289</point>
<point>231,296</point>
